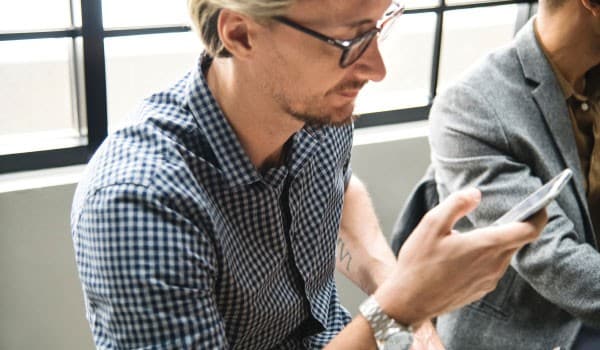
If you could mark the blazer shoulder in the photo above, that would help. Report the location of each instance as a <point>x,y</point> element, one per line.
<point>497,71</point>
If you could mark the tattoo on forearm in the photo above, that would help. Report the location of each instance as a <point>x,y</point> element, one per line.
<point>343,254</point>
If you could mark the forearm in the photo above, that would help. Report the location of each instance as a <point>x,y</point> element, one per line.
<point>356,335</point>
<point>363,254</point>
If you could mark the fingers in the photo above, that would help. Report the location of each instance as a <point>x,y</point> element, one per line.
<point>442,218</point>
<point>513,236</point>
<point>540,219</point>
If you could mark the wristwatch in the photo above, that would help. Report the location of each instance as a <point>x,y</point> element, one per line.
<point>389,334</point>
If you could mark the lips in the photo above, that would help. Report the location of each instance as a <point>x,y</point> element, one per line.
<point>350,89</point>
<point>349,93</point>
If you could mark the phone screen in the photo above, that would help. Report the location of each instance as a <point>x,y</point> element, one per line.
<point>537,200</point>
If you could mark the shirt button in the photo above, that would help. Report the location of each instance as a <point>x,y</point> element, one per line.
<point>585,106</point>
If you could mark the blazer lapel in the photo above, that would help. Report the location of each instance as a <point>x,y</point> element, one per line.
<point>551,102</point>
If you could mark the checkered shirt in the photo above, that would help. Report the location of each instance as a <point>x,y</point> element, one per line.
<point>182,244</point>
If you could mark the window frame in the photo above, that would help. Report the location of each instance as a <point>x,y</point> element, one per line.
<point>91,94</point>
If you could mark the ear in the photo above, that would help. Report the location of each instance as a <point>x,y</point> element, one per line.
<point>593,6</point>
<point>235,32</point>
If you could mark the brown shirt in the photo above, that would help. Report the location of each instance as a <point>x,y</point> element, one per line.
<point>584,111</point>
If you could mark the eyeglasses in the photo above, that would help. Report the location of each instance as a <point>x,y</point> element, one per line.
<point>353,49</point>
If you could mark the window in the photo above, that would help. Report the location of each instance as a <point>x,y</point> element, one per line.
<point>470,33</point>
<point>407,56</point>
<point>35,94</point>
<point>72,70</point>
<point>438,41</point>
<point>136,67</point>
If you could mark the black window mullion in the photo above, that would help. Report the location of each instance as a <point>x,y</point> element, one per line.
<point>147,30</point>
<point>43,159</point>
<point>392,117</point>
<point>40,34</point>
<point>94,72</point>
<point>437,49</point>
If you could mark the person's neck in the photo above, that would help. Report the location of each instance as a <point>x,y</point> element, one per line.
<point>261,128</point>
<point>566,39</point>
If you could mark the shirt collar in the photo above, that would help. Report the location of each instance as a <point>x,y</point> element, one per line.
<point>593,84</point>
<point>232,160</point>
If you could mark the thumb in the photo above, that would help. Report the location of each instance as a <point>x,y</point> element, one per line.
<point>442,218</point>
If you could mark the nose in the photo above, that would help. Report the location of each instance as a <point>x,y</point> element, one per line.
<point>370,65</point>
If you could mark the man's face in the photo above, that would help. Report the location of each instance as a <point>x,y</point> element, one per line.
<point>302,73</point>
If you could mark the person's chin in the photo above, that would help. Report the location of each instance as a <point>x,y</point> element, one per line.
<point>343,116</point>
<point>345,110</point>
<point>344,121</point>
<point>343,100</point>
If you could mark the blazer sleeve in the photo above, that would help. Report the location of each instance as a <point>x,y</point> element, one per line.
<point>470,147</point>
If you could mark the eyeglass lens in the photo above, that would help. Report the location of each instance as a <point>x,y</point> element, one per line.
<point>386,25</point>
<point>357,49</point>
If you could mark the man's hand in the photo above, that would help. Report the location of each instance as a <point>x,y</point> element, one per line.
<point>439,270</point>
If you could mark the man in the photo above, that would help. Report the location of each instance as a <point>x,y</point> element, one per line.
<point>211,221</point>
<point>509,125</point>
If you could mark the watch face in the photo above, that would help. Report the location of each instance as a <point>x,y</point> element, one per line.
<point>398,341</point>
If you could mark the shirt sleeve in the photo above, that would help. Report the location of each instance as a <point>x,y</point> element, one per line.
<point>347,173</point>
<point>348,156</point>
<point>148,272</point>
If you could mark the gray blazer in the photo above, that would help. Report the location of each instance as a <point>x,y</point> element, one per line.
<point>504,128</point>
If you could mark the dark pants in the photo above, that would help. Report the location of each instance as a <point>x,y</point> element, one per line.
<point>588,339</point>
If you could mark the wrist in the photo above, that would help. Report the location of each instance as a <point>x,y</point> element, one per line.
<point>375,275</point>
<point>399,304</point>
<point>386,330</point>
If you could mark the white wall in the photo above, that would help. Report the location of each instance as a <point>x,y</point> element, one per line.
<point>40,298</point>
<point>41,305</point>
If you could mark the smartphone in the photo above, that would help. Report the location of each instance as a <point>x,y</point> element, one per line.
<point>537,200</point>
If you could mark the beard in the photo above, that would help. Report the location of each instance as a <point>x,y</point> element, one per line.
<point>311,111</point>
<point>321,120</point>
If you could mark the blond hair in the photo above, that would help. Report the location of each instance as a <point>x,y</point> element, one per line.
<point>205,15</point>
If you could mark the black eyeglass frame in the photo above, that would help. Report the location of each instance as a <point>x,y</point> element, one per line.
<point>393,12</point>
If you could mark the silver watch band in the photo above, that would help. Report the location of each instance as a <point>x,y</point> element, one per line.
<point>389,334</point>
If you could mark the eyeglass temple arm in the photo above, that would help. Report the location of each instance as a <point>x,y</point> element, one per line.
<point>343,44</point>
<point>390,15</point>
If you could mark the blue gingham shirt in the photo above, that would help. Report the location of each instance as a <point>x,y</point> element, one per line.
<point>182,244</point>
